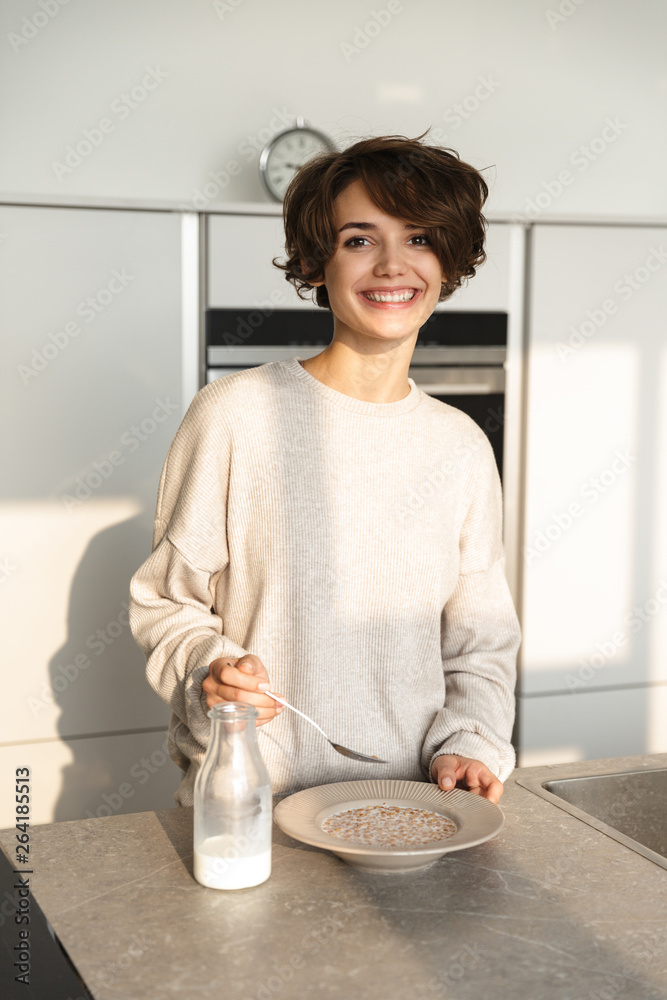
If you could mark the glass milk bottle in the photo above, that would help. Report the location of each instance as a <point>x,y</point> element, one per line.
<point>232,803</point>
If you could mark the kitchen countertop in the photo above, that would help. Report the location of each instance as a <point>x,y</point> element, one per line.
<point>550,909</point>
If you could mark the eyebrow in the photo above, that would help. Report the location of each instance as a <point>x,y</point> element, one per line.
<point>370,225</point>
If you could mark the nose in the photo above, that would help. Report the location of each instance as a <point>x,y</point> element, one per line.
<point>390,259</point>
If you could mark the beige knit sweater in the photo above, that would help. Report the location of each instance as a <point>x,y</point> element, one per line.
<point>355,547</point>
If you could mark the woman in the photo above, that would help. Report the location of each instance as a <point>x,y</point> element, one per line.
<point>289,552</point>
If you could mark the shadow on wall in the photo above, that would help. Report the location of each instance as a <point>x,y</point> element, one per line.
<point>114,724</point>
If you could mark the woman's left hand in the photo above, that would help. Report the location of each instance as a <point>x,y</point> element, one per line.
<point>451,771</point>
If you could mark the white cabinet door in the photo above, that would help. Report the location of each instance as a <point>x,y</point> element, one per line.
<point>557,729</point>
<point>595,545</point>
<point>91,400</point>
<point>490,289</point>
<point>240,272</point>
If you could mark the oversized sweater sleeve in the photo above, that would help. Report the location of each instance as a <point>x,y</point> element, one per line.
<point>171,594</point>
<point>480,637</point>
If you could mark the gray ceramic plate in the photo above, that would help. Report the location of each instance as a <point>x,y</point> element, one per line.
<point>301,816</point>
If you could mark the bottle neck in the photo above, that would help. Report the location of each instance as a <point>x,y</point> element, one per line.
<point>233,749</point>
<point>232,738</point>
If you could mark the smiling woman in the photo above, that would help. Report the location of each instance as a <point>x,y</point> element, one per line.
<point>282,559</point>
<point>382,232</point>
<point>429,186</point>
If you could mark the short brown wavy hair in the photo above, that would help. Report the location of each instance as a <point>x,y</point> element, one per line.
<point>427,185</point>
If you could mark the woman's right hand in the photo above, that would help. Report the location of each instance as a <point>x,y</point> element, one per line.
<point>241,679</point>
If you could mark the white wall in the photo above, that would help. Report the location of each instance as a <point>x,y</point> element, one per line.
<point>232,72</point>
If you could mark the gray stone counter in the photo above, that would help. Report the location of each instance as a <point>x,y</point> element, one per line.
<point>551,909</point>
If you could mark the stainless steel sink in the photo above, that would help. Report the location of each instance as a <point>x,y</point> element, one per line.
<point>629,806</point>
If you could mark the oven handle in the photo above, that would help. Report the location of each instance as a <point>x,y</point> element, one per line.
<point>456,388</point>
<point>459,381</point>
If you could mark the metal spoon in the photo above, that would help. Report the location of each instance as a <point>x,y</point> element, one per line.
<point>345,751</point>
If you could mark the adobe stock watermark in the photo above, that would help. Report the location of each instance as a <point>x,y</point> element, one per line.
<point>455,115</point>
<point>131,440</point>
<point>246,326</point>
<point>607,649</point>
<point>462,110</point>
<point>461,962</point>
<point>591,491</point>
<point>373,368</point>
<point>364,34</point>
<point>65,674</point>
<point>9,906</point>
<point>36,22</point>
<point>225,7</point>
<point>87,310</point>
<point>581,158</point>
<point>141,772</point>
<point>625,288</point>
<point>247,150</point>
<point>565,9</point>
<point>121,107</point>
<point>635,967</point>
<point>310,945</point>
<point>110,972</point>
<point>494,419</point>
<point>7,569</point>
<point>435,480</point>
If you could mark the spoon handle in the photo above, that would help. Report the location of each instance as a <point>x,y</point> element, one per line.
<point>302,714</point>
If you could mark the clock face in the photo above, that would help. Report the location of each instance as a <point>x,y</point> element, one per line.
<point>286,154</point>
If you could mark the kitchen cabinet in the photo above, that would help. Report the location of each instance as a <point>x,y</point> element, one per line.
<point>594,608</point>
<point>239,269</point>
<point>91,399</point>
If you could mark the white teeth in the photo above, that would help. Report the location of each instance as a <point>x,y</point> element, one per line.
<point>390,296</point>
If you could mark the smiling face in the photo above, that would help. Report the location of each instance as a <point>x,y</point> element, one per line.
<point>384,278</point>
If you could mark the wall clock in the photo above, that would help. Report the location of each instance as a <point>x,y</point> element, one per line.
<point>286,152</point>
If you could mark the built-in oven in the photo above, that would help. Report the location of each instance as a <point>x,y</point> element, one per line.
<point>459,357</point>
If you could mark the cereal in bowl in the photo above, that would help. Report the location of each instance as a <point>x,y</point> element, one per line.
<point>389,826</point>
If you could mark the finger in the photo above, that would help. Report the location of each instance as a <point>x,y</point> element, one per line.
<point>448,770</point>
<point>212,699</point>
<point>262,722</point>
<point>482,781</point>
<point>253,666</point>
<point>218,691</point>
<point>491,790</point>
<point>232,676</point>
<point>446,778</point>
<point>216,695</point>
<point>249,664</point>
<point>258,700</point>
